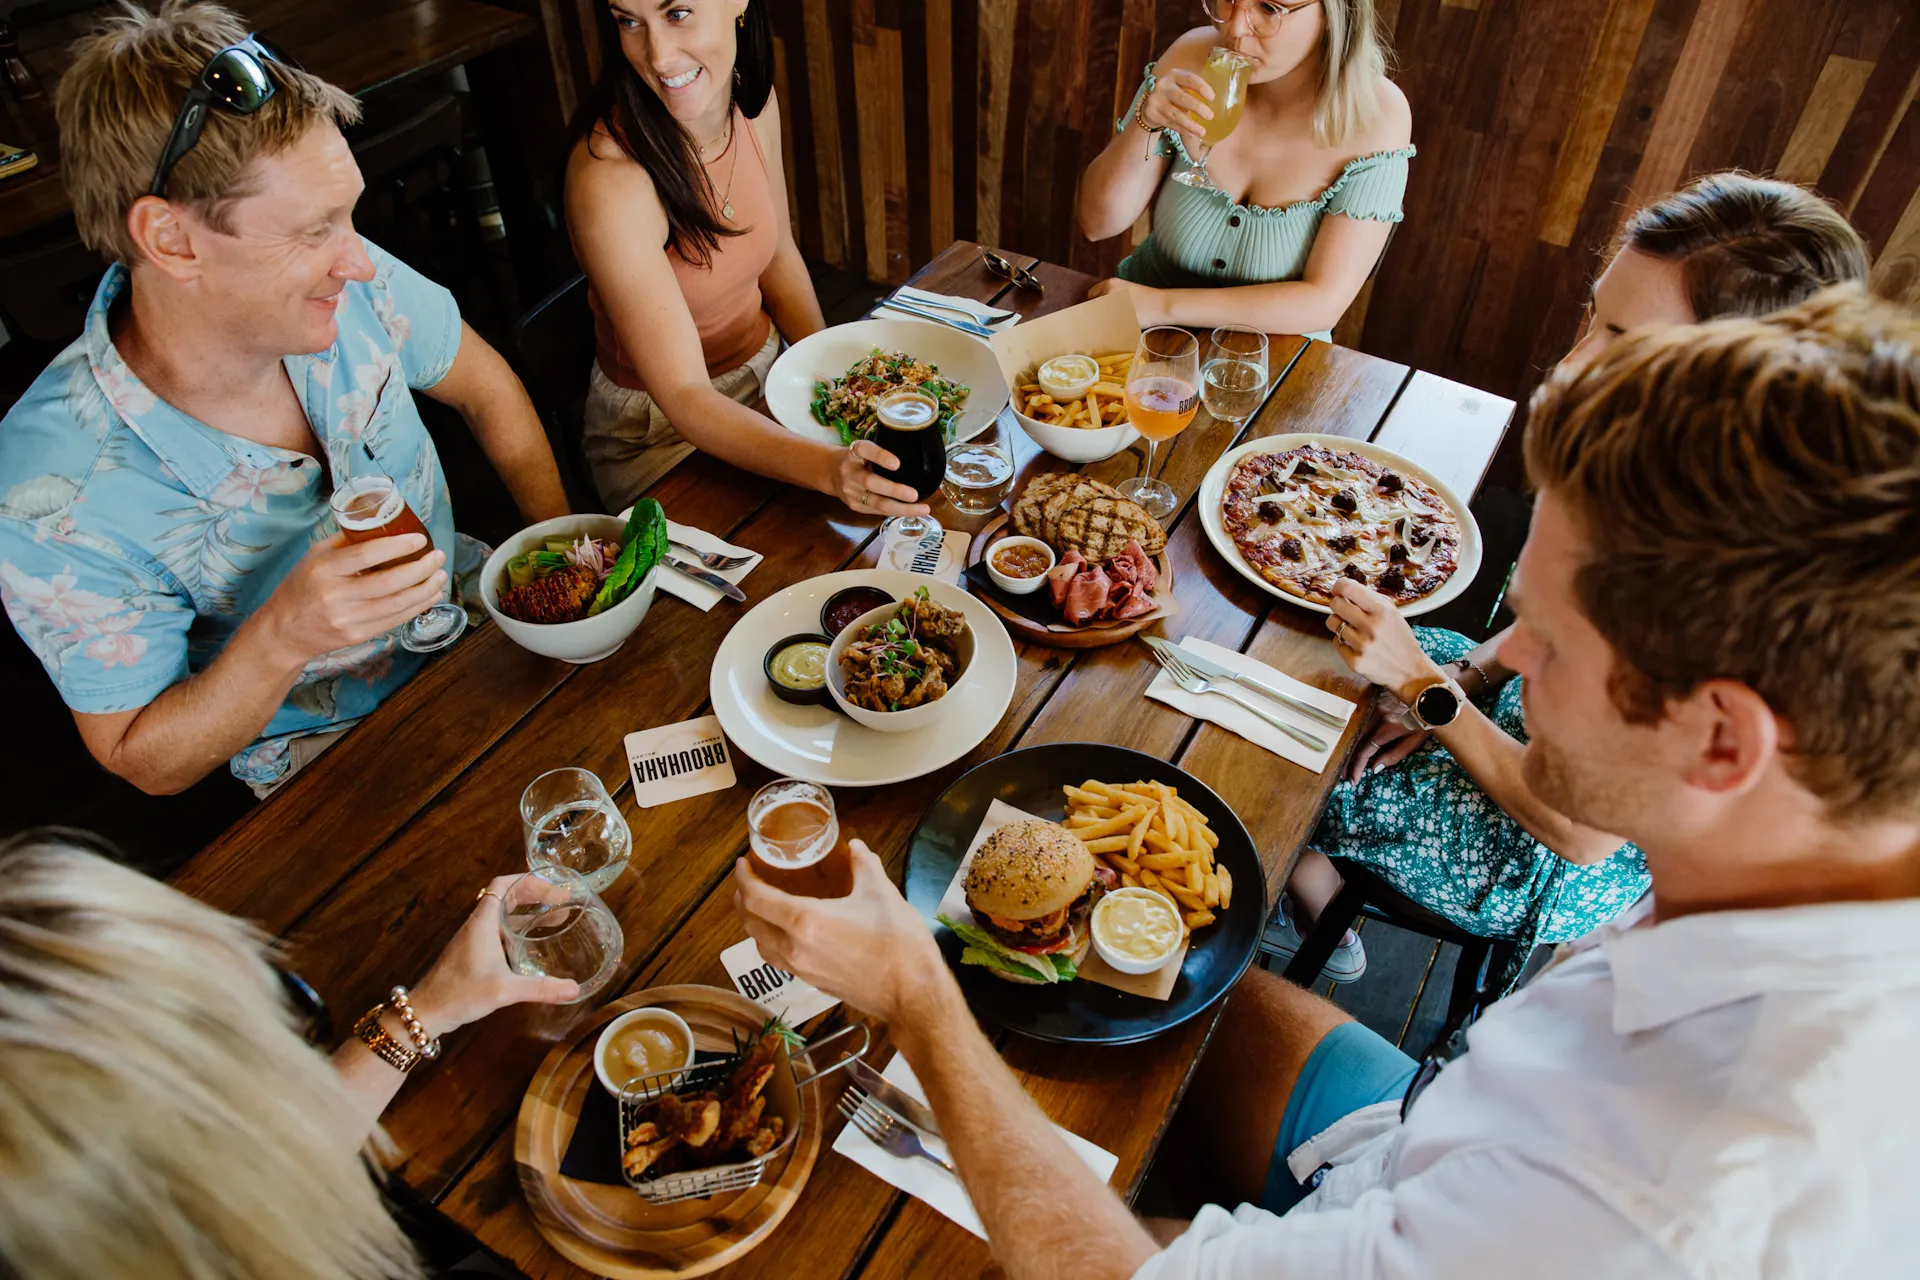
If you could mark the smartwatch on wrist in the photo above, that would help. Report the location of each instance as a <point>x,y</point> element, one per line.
<point>1437,705</point>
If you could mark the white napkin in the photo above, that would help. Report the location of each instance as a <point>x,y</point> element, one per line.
<point>699,594</point>
<point>923,1179</point>
<point>978,310</point>
<point>1230,715</point>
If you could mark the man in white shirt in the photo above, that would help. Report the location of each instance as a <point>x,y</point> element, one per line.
<point>1719,626</point>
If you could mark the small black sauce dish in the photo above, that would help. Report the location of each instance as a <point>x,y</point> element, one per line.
<point>801,697</point>
<point>868,599</point>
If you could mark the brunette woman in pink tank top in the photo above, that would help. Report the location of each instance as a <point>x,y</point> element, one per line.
<point>676,203</point>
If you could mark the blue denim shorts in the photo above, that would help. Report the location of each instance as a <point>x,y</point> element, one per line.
<point>1350,1068</point>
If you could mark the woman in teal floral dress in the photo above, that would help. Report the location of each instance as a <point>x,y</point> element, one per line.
<point>1453,825</point>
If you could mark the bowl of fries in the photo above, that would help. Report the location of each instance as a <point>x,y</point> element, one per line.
<point>1086,429</point>
<point>1093,425</point>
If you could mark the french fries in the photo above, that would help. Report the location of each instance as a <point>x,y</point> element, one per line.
<point>1153,840</point>
<point>1104,406</point>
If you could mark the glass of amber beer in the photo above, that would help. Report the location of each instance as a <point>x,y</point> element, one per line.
<point>794,840</point>
<point>371,506</point>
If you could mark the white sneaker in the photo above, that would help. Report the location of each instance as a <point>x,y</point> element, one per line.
<point>1282,939</point>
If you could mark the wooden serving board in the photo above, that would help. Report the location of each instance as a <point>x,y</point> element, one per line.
<point>610,1230</point>
<point>1021,627</point>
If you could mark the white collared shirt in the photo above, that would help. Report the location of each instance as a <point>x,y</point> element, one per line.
<point>1731,1094</point>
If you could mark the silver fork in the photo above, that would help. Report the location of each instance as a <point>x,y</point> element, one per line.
<point>1193,682</point>
<point>711,559</point>
<point>886,1132</point>
<point>984,315</point>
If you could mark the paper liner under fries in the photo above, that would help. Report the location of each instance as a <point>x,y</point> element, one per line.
<point>1157,985</point>
<point>1097,327</point>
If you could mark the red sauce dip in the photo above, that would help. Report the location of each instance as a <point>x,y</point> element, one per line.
<point>844,607</point>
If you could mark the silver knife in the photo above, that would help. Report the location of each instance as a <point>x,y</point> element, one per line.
<point>894,1098</point>
<point>977,330</point>
<point>1213,670</point>
<point>698,574</point>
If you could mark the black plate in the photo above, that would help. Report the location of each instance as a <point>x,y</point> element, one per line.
<point>1086,1012</point>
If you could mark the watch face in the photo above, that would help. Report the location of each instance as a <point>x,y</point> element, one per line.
<point>1437,705</point>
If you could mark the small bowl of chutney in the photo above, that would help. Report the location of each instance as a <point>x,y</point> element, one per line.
<point>843,606</point>
<point>796,670</point>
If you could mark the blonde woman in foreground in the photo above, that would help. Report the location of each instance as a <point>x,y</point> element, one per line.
<point>1297,202</point>
<point>161,1116</point>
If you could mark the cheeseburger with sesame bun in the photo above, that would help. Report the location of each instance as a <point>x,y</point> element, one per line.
<point>1031,888</point>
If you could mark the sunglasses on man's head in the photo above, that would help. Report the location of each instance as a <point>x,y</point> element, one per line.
<point>235,80</point>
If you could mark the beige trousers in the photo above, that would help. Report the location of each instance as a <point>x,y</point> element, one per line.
<point>629,443</point>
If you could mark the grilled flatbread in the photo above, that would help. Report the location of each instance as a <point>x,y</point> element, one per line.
<point>1103,526</point>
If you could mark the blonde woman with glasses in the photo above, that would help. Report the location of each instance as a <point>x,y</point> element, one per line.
<point>1279,224</point>
<point>162,1116</point>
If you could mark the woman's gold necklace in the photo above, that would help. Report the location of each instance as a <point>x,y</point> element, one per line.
<point>726,200</point>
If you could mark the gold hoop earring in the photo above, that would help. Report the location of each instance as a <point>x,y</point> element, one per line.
<point>741,20</point>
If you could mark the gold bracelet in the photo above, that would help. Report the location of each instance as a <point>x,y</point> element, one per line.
<point>384,1046</point>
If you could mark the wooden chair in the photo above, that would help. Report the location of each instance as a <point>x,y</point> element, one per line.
<point>553,354</point>
<point>1481,961</point>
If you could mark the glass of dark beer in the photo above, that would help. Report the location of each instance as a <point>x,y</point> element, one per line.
<point>909,429</point>
<point>371,506</point>
<point>794,840</point>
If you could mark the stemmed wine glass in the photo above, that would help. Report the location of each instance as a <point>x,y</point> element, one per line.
<point>1163,394</point>
<point>909,428</point>
<point>368,504</point>
<point>1234,376</point>
<point>1226,72</point>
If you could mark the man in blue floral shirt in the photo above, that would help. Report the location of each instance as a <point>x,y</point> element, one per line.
<point>166,547</point>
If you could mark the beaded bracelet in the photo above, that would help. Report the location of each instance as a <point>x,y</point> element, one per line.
<point>428,1046</point>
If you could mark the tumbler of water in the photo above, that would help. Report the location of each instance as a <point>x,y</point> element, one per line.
<point>1233,380</point>
<point>572,822</point>
<point>552,925</point>
<point>979,472</point>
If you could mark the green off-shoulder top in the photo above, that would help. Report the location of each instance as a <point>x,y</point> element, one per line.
<point>1202,239</point>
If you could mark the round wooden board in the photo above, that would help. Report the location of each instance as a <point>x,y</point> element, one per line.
<point>1026,629</point>
<point>610,1230</point>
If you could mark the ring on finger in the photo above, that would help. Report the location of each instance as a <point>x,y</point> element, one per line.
<point>1340,634</point>
<point>488,892</point>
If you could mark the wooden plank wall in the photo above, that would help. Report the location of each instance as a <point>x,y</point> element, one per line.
<point>1539,123</point>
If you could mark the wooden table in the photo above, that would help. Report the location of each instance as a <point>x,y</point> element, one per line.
<point>360,45</point>
<point>369,859</point>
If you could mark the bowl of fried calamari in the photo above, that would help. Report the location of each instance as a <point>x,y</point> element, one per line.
<point>895,667</point>
<point>575,587</point>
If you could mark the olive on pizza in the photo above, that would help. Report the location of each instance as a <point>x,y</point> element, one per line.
<point>1308,516</point>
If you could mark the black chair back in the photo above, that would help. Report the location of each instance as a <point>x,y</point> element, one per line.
<point>553,354</point>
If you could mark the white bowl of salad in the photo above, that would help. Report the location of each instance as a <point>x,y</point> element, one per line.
<point>575,587</point>
<point>823,386</point>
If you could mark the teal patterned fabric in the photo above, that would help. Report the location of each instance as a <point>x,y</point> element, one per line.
<point>134,539</point>
<point>1427,829</point>
<point>1202,239</point>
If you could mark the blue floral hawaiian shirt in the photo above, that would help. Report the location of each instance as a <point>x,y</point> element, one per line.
<point>134,540</point>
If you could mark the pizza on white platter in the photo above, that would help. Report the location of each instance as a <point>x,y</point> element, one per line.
<point>1306,517</point>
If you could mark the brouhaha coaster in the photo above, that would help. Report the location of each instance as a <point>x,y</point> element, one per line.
<point>793,998</point>
<point>677,761</point>
<point>941,555</point>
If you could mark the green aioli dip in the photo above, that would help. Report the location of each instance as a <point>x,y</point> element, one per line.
<point>802,665</point>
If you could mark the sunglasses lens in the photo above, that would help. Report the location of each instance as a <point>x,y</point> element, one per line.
<point>238,81</point>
